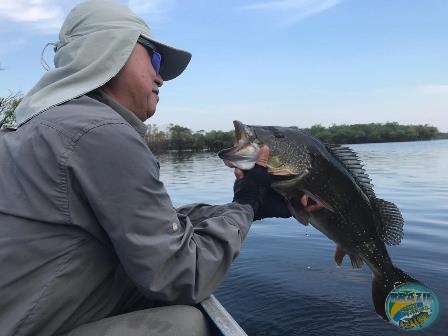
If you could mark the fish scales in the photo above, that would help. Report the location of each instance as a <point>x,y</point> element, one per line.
<point>333,176</point>
<point>293,155</point>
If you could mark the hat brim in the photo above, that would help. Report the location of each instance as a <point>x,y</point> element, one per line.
<point>174,61</point>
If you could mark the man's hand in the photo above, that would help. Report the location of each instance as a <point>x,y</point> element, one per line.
<point>262,160</point>
<point>253,187</point>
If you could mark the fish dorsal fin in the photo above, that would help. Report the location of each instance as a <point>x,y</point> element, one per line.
<point>351,161</point>
<point>390,228</point>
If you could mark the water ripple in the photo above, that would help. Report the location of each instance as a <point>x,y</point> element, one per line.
<point>285,281</point>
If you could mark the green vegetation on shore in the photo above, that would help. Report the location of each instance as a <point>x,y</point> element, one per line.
<point>176,137</point>
<point>7,106</point>
<point>441,136</point>
<point>374,132</point>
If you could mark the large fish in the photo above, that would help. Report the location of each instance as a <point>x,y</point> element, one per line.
<point>417,320</point>
<point>360,223</point>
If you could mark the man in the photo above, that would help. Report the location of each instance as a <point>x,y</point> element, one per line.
<point>87,230</point>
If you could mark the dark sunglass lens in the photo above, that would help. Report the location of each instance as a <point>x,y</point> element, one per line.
<point>156,61</point>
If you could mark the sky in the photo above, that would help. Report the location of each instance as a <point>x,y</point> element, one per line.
<point>284,62</point>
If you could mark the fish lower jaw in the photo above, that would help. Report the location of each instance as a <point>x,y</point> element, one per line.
<point>246,165</point>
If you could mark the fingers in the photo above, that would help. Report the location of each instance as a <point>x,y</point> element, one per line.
<point>238,173</point>
<point>262,160</point>
<point>263,156</point>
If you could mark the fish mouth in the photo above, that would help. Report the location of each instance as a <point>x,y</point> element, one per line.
<point>243,133</point>
<point>248,140</point>
<point>244,152</point>
<point>240,131</point>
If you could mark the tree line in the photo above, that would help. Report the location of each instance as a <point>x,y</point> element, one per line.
<point>373,132</point>
<point>176,137</point>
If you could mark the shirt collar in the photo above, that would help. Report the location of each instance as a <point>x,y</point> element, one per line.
<point>127,115</point>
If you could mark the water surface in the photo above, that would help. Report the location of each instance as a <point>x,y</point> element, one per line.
<point>285,281</point>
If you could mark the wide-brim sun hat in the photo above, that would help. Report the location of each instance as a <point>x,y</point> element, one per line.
<point>95,42</point>
<point>174,61</point>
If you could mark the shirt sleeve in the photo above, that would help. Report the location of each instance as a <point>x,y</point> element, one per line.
<point>172,256</point>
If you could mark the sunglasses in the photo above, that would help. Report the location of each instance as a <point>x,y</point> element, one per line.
<point>156,58</point>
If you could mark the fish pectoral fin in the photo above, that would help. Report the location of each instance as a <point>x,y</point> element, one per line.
<point>319,200</point>
<point>302,216</point>
<point>297,211</point>
<point>290,189</point>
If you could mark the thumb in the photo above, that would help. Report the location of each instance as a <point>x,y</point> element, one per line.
<point>263,156</point>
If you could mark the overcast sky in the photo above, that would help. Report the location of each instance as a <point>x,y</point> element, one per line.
<point>284,62</point>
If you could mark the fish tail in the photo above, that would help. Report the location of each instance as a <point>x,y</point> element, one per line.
<point>383,285</point>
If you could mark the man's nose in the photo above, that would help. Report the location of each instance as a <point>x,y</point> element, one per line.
<point>159,80</point>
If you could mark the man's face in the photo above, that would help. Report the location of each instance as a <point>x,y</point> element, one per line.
<point>136,86</point>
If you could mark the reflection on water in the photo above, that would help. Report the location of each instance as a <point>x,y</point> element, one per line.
<point>285,281</point>
<point>196,177</point>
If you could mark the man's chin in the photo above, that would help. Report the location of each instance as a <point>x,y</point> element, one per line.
<point>149,114</point>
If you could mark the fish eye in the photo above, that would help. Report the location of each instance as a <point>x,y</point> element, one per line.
<point>278,134</point>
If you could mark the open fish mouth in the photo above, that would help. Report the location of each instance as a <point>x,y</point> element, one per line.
<point>248,140</point>
<point>242,132</point>
<point>244,153</point>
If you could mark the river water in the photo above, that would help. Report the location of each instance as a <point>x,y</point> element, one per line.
<point>285,281</point>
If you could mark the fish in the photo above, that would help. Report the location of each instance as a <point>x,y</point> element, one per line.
<point>360,223</point>
<point>414,321</point>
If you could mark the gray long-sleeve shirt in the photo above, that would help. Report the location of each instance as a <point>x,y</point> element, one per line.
<point>84,220</point>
